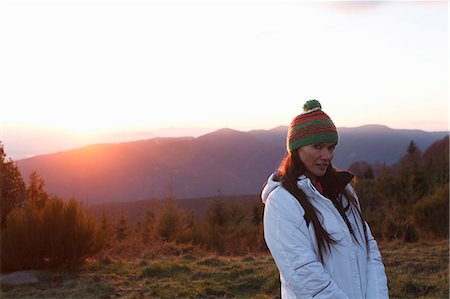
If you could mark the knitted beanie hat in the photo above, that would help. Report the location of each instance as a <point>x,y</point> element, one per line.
<point>312,126</point>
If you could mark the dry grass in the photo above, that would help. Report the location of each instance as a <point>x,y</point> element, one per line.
<point>185,276</point>
<point>416,270</point>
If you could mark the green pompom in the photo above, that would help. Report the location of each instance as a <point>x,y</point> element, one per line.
<point>311,104</point>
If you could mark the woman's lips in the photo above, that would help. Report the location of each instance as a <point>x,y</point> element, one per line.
<point>322,166</point>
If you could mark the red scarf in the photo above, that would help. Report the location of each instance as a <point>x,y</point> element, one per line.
<point>319,186</point>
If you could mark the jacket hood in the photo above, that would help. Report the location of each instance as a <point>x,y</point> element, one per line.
<point>269,187</point>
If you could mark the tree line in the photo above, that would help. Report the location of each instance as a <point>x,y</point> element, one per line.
<point>407,200</point>
<point>226,228</point>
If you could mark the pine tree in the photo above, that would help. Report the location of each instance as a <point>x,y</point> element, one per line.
<point>217,214</point>
<point>147,226</point>
<point>409,175</point>
<point>170,218</point>
<point>412,148</point>
<point>122,228</point>
<point>256,215</point>
<point>236,214</point>
<point>105,229</point>
<point>36,190</point>
<point>168,222</point>
<point>12,187</point>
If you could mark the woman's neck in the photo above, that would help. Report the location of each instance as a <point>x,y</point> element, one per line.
<point>319,186</point>
<point>315,180</point>
<point>312,177</point>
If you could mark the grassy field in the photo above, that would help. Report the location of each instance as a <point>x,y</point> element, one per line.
<point>416,270</point>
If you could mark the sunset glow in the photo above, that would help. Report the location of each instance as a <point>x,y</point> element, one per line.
<point>140,66</point>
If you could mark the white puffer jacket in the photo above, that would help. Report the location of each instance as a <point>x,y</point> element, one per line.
<point>350,271</point>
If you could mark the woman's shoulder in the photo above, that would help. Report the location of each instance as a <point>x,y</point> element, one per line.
<point>284,202</point>
<point>344,178</point>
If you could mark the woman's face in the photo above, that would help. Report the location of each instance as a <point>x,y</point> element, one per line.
<point>316,158</point>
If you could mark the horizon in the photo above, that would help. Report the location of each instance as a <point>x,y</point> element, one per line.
<point>14,147</point>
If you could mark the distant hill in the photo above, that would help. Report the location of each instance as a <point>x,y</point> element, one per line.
<point>226,161</point>
<point>374,143</point>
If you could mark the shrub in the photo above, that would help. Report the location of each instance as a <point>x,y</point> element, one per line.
<point>410,233</point>
<point>431,213</point>
<point>392,229</point>
<point>170,220</point>
<point>59,233</point>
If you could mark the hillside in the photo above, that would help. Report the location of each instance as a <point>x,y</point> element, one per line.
<point>226,161</point>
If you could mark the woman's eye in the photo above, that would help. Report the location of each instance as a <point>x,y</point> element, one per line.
<point>331,148</point>
<point>317,146</point>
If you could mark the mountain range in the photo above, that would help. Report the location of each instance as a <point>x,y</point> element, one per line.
<point>225,162</point>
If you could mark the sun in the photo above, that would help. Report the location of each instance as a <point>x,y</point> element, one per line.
<point>81,130</point>
<point>81,127</point>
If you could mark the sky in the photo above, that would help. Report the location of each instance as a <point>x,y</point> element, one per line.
<point>79,72</point>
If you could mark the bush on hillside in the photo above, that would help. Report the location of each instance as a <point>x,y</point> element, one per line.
<point>59,233</point>
<point>431,213</point>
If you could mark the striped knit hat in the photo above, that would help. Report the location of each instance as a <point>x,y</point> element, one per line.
<point>312,126</point>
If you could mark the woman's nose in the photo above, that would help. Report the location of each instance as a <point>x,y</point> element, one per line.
<point>326,155</point>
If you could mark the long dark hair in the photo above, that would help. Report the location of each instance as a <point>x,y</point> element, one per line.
<point>289,171</point>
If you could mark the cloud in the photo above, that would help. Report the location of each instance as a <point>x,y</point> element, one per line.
<point>354,6</point>
<point>360,6</point>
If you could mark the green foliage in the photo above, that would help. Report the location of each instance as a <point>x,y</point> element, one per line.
<point>432,213</point>
<point>12,187</point>
<point>403,201</point>
<point>59,233</point>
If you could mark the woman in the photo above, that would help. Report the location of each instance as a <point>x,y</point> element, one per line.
<point>312,219</point>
